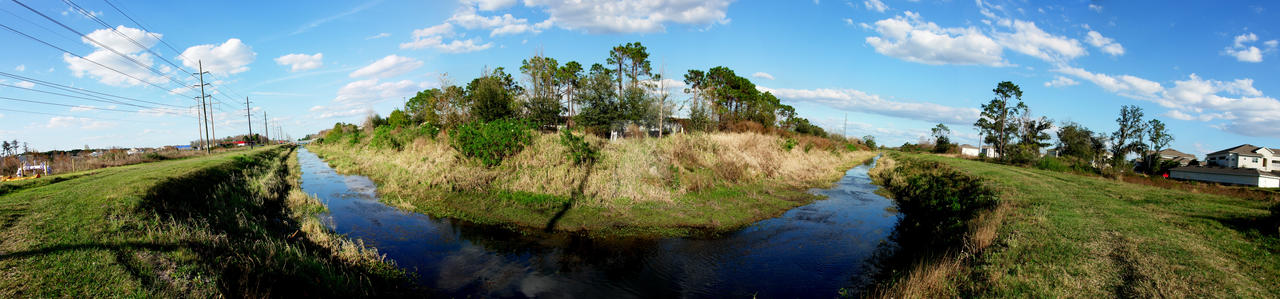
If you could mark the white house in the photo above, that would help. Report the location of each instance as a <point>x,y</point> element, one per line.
<point>990,152</point>
<point>1241,165</point>
<point>968,150</point>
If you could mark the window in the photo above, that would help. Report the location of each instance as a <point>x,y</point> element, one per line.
<point>1255,160</point>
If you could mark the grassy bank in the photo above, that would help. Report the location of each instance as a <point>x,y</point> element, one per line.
<point>228,225</point>
<point>1066,235</point>
<point>679,185</point>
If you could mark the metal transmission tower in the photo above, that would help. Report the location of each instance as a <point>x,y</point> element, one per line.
<point>248,114</point>
<point>204,110</point>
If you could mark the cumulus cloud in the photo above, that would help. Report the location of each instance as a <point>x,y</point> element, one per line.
<point>76,122</point>
<point>301,62</point>
<point>1244,52</point>
<point>610,16</point>
<point>231,57</point>
<point>855,100</point>
<point>372,89</point>
<point>490,4</point>
<point>909,38</point>
<point>499,25</point>
<point>1105,44</point>
<point>762,75</point>
<point>390,66</point>
<point>1124,85</point>
<point>100,63</point>
<point>875,5</point>
<point>1029,39</point>
<point>1061,81</point>
<point>433,37</point>
<point>25,84</point>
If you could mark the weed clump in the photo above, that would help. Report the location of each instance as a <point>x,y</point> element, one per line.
<point>937,200</point>
<point>491,142</point>
<point>580,151</point>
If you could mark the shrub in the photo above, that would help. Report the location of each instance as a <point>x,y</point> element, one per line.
<point>851,147</point>
<point>937,200</point>
<point>789,144</point>
<point>355,137</point>
<point>382,138</point>
<point>1052,164</point>
<point>491,142</point>
<point>579,150</point>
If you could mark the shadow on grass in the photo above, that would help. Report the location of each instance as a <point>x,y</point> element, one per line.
<point>577,194</point>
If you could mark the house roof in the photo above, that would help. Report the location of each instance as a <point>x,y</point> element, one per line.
<point>1225,170</point>
<point>1243,150</point>
<point>1175,153</point>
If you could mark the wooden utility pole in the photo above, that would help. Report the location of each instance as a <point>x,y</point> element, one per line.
<point>248,114</point>
<point>207,115</point>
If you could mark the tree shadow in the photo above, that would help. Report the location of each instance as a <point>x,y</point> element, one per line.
<point>574,197</point>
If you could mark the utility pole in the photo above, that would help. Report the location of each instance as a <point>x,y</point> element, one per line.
<point>199,125</point>
<point>264,126</point>
<point>845,131</point>
<point>248,114</point>
<point>203,98</point>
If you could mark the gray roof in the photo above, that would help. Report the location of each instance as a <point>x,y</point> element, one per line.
<point>1225,170</point>
<point>1176,153</point>
<point>1242,150</point>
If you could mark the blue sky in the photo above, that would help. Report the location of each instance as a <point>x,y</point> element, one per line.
<point>896,68</point>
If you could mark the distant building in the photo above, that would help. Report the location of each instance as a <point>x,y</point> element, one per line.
<point>1244,164</point>
<point>969,150</point>
<point>989,152</point>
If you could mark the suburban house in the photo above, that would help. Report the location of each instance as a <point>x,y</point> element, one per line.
<point>1245,164</point>
<point>1182,158</point>
<point>968,150</point>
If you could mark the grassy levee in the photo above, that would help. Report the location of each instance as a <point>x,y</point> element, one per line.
<point>675,186</point>
<point>1065,235</point>
<point>227,225</point>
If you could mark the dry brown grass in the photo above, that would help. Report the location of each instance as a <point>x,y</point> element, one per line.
<point>627,171</point>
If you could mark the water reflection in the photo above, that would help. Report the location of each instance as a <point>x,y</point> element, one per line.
<point>810,251</point>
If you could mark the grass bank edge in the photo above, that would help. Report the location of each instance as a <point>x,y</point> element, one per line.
<point>709,211</point>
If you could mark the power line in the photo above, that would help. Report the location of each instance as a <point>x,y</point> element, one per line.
<point>67,105</point>
<point>83,91</point>
<point>63,115</point>
<point>82,57</point>
<point>79,97</point>
<point>100,44</point>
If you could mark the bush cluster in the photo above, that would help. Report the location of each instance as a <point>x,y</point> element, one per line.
<point>491,142</point>
<point>579,150</point>
<point>937,200</point>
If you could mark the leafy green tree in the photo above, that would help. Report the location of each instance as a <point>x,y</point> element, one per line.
<point>1128,137</point>
<point>632,61</point>
<point>423,107</point>
<point>1075,140</point>
<point>997,119</point>
<point>570,78</point>
<point>870,141</point>
<point>398,119</point>
<point>599,99</point>
<point>492,96</point>
<point>1159,139</point>
<point>543,102</point>
<point>941,138</point>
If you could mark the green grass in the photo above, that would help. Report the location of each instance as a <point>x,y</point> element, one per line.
<point>1068,235</point>
<point>213,226</point>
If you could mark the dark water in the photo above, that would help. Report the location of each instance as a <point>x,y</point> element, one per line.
<point>810,251</point>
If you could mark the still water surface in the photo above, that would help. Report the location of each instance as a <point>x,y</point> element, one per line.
<point>810,251</point>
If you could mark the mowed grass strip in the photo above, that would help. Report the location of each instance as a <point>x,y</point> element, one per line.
<point>212,226</point>
<point>1075,236</point>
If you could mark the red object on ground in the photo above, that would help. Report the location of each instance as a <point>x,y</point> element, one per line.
<point>1165,175</point>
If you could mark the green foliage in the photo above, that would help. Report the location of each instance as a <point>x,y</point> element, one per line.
<point>997,122</point>
<point>936,199</point>
<point>1128,137</point>
<point>580,151</point>
<point>398,119</point>
<point>491,142</point>
<point>421,108</point>
<point>789,144</point>
<point>1274,219</point>
<point>492,95</point>
<point>382,138</point>
<point>851,147</point>
<point>870,141</point>
<point>355,137</point>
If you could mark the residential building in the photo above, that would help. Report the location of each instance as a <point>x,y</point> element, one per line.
<point>1245,156</point>
<point>969,150</point>
<point>1244,164</point>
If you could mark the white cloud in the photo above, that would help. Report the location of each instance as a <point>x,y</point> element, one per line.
<point>762,75</point>
<point>1124,85</point>
<point>25,84</point>
<point>231,57</point>
<point>433,37</point>
<point>848,21</point>
<point>491,4</point>
<point>1243,52</point>
<point>372,89</point>
<point>500,25</point>
<point>858,101</point>
<point>1095,7</point>
<point>20,68</point>
<point>387,67</point>
<point>875,5</point>
<point>610,16</point>
<point>106,60</point>
<point>377,36</point>
<point>1105,44</point>
<point>301,62</point>
<point>79,122</point>
<point>80,108</point>
<point>909,38</point>
<point>1029,39</point>
<point>1061,81</point>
